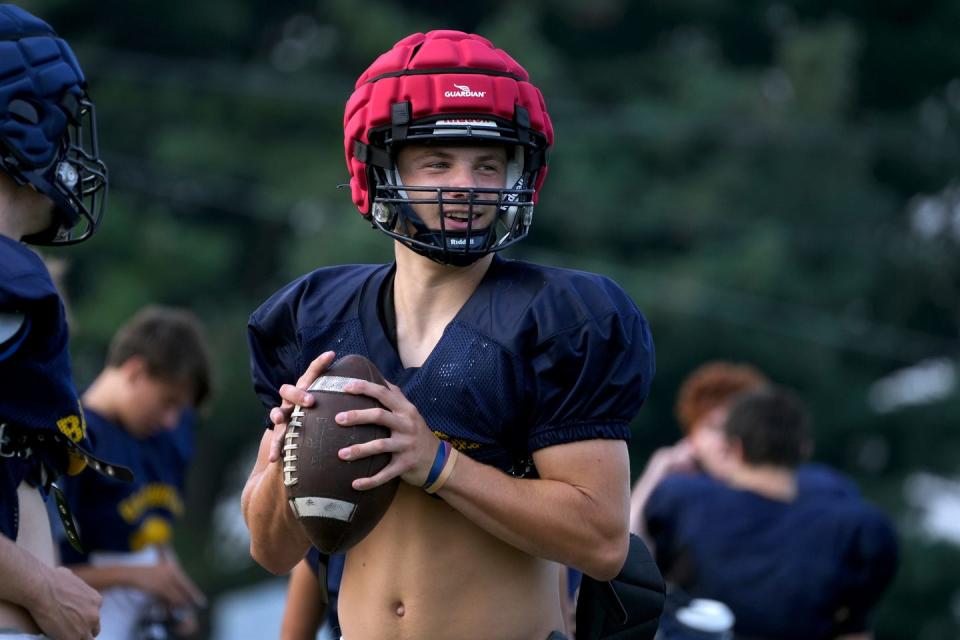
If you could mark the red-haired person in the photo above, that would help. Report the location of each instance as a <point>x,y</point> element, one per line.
<point>701,409</point>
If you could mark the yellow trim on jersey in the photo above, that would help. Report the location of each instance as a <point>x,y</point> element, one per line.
<point>154,530</point>
<point>155,494</point>
<point>458,443</point>
<point>75,428</point>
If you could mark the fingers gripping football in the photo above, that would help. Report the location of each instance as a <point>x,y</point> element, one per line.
<point>293,395</point>
<point>411,443</point>
<point>318,484</point>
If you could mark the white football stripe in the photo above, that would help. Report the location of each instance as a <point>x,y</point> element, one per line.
<point>332,383</point>
<point>317,507</point>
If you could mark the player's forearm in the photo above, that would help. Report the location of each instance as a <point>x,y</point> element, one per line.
<point>23,575</point>
<point>302,624</point>
<point>101,578</point>
<point>304,611</point>
<point>652,476</point>
<point>544,518</point>
<point>277,542</point>
<point>638,500</point>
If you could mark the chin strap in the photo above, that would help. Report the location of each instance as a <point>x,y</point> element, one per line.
<point>432,243</point>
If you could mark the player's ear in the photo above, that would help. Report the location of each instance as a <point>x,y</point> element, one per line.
<point>133,368</point>
<point>734,446</point>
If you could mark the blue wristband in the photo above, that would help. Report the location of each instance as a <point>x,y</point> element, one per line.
<point>438,461</point>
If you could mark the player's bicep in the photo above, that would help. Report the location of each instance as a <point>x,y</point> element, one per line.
<point>599,469</point>
<point>14,327</point>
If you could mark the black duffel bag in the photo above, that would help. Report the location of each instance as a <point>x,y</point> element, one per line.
<point>626,608</point>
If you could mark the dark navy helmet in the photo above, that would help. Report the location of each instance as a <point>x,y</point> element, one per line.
<point>48,136</point>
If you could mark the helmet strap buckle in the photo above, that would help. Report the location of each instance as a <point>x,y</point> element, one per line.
<point>399,120</point>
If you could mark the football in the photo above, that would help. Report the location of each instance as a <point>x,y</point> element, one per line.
<point>318,483</point>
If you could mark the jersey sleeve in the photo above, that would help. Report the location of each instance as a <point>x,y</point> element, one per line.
<point>25,291</point>
<point>591,378</point>
<point>660,516</point>
<point>14,327</point>
<point>274,351</point>
<point>871,565</point>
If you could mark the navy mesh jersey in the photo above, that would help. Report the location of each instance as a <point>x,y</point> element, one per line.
<point>808,569</point>
<point>34,366</point>
<point>38,390</point>
<point>128,516</point>
<point>536,357</point>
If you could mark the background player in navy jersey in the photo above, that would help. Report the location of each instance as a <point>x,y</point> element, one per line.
<point>703,403</point>
<point>52,185</point>
<point>791,563</point>
<point>140,411</point>
<point>532,373</point>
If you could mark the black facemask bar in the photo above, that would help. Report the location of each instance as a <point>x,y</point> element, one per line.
<point>76,181</point>
<point>394,214</point>
<point>391,211</point>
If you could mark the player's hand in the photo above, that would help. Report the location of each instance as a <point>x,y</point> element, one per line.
<point>293,395</point>
<point>678,458</point>
<point>412,445</point>
<point>68,607</point>
<point>187,624</point>
<point>170,584</point>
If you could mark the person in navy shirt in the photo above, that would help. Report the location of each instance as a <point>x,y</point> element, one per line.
<point>511,385</point>
<point>52,187</point>
<point>141,410</point>
<point>791,563</point>
<point>703,403</point>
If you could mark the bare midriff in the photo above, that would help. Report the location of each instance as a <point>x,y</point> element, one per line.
<point>33,536</point>
<point>426,571</point>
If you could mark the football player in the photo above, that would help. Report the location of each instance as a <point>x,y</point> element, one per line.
<point>512,385</point>
<point>141,409</point>
<point>703,404</point>
<point>52,189</point>
<point>792,558</point>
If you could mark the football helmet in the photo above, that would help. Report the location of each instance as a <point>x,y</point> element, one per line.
<point>446,88</point>
<point>48,136</point>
